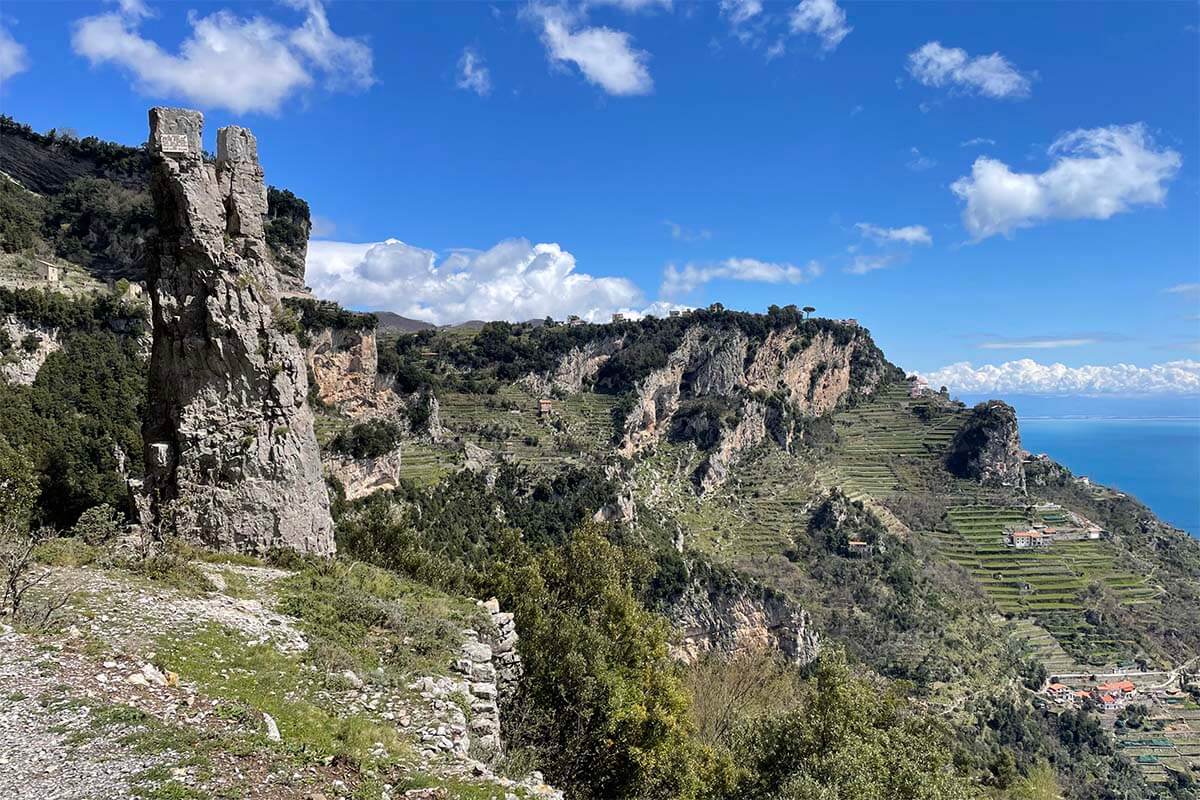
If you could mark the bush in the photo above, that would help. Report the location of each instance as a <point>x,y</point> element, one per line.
<point>369,439</point>
<point>99,525</point>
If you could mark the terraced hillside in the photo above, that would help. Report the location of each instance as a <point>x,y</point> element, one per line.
<point>1043,582</point>
<point>508,424</point>
<point>881,443</point>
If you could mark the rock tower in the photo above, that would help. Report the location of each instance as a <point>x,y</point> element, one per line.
<point>228,432</point>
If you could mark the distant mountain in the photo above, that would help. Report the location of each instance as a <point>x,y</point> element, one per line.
<point>394,322</point>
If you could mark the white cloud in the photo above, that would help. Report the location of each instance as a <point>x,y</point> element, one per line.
<point>242,64</point>
<point>346,62</point>
<point>862,264</point>
<point>740,11</point>
<point>514,280</point>
<point>473,74</point>
<point>677,282</point>
<point>1184,288</point>
<point>977,142</point>
<point>909,234</point>
<point>1029,377</point>
<point>14,58</point>
<point>823,18</point>
<point>634,5</point>
<point>1097,173</point>
<point>991,76</point>
<point>684,234</point>
<point>919,162</point>
<point>1036,344</point>
<point>606,57</point>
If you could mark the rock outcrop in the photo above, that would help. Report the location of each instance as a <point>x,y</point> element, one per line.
<point>987,448</point>
<point>20,362</point>
<point>345,367</point>
<point>360,477</point>
<point>228,432</point>
<point>792,374</point>
<point>576,369</point>
<point>721,612</point>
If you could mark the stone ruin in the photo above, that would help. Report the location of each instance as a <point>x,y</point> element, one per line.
<point>230,446</point>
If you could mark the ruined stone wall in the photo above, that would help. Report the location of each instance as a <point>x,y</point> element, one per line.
<point>228,432</point>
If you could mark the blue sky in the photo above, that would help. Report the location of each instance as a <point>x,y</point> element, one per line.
<point>1011,185</point>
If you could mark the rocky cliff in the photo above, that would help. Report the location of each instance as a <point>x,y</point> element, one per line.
<point>228,431</point>
<point>720,612</point>
<point>774,384</point>
<point>987,448</point>
<point>345,368</point>
<point>25,348</point>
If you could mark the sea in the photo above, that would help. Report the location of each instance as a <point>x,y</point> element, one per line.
<point>1151,451</point>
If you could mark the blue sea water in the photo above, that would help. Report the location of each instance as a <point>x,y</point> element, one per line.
<point>1155,460</point>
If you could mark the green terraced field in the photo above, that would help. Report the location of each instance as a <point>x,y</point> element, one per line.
<point>1042,582</point>
<point>507,424</point>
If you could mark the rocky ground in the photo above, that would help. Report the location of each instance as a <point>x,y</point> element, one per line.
<point>90,710</point>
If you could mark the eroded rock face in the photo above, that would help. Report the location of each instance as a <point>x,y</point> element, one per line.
<point>988,447</point>
<point>812,372</point>
<point>228,432</point>
<point>725,614</point>
<point>576,369</point>
<point>345,367</point>
<point>20,366</point>
<point>361,477</point>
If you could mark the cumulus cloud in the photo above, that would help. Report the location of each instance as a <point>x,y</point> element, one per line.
<point>1027,376</point>
<point>1096,173</point>
<point>242,64</point>
<point>990,76</point>
<point>909,234</point>
<point>14,58</point>
<point>473,74</point>
<point>822,18</point>
<point>606,57</point>
<point>514,280</point>
<point>678,282</point>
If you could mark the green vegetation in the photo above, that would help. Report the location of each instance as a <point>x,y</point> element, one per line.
<point>84,409</point>
<point>369,439</point>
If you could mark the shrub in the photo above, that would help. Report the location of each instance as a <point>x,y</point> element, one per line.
<point>369,439</point>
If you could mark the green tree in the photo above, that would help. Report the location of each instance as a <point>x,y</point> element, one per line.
<point>847,740</point>
<point>18,485</point>
<point>602,704</point>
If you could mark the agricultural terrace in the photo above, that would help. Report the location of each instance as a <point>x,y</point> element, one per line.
<point>879,441</point>
<point>508,424</point>
<point>1169,741</point>
<point>1044,582</point>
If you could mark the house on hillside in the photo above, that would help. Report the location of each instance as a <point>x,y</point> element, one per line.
<point>50,273</point>
<point>574,320</point>
<point>1058,692</point>
<point>545,407</point>
<point>1122,690</point>
<point>1026,537</point>
<point>918,387</point>
<point>618,317</point>
<point>1110,703</point>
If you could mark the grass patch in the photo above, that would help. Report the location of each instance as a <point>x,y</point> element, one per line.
<point>256,678</point>
<point>365,618</point>
<point>66,551</point>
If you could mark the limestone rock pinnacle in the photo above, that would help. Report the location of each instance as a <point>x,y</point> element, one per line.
<point>229,434</point>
